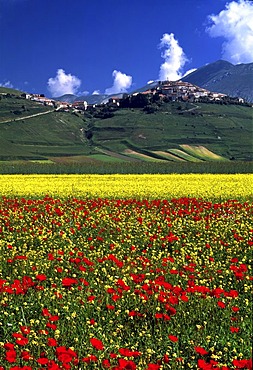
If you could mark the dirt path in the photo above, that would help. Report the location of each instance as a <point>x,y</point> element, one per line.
<point>26,117</point>
<point>190,109</point>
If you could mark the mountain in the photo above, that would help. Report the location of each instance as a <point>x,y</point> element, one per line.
<point>68,98</point>
<point>151,85</point>
<point>91,99</point>
<point>220,76</point>
<point>224,77</point>
<point>94,99</point>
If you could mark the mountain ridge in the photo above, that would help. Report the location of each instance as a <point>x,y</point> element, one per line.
<point>220,77</point>
<point>226,78</point>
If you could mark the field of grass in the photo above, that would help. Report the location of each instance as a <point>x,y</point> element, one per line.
<point>221,129</point>
<point>181,154</point>
<point>201,153</point>
<point>147,165</point>
<point>15,109</point>
<point>126,272</point>
<point>219,132</point>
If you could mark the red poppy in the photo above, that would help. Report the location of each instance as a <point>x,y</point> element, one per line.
<point>10,356</point>
<point>233,293</point>
<point>235,309</point>
<point>234,329</point>
<point>51,326</point>
<point>203,365</point>
<point>221,304</point>
<point>9,346</point>
<point>116,297</point>
<point>158,315</point>
<point>84,282</point>
<point>110,307</point>
<point>106,364</point>
<point>91,298</point>
<point>20,258</point>
<point>86,359</point>
<point>69,282</point>
<point>65,355</point>
<point>90,358</point>
<point>25,329</point>
<point>173,338</point>
<point>166,317</point>
<point>20,339</point>
<point>25,355</point>
<point>51,342</point>
<point>45,312</point>
<point>113,355</point>
<point>234,260</point>
<point>43,361</point>
<point>166,359</point>
<point>20,368</point>
<point>201,351</point>
<point>171,310</point>
<point>96,343</point>
<point>243,364</point>
<point>153,367</point>
<point>128,353</point>
<point>126,364</point>
<point>41,277</point>
<point>184,298</point>
<point>173,300</point>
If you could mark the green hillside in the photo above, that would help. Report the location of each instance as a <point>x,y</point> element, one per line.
<point>176,132</point>
<point>224,130</point>
<point>7,90</point>
<point>14,108</point>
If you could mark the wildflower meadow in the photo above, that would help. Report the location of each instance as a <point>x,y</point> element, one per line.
<point>126,272</point>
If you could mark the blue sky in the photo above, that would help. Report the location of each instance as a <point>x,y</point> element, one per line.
<point>79,46</point>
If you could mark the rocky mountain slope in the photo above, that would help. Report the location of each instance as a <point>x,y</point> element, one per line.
<point>224,77</point>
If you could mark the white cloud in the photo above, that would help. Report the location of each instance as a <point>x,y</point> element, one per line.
<point>83,93</point>
<point>121,83</point>
<point>189,71</point>
<point>63,84</point>
<point>6,84</point>
<point>174,57</point>
<point>96,92</point>
<point>235,24</point>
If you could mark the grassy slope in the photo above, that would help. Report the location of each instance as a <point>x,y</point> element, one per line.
<point>7,90</point>
<point>17,108</point>
<point>41,136</point>
<point>54,134</point>
<point>224,130</point>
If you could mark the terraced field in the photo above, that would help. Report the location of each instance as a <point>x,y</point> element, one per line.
<point>177,132</point>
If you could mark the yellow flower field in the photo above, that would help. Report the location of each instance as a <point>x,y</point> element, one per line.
<point>128,186</point>
<point>137,272</point>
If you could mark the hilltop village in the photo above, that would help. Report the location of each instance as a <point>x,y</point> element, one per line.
<point>164,91</point>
